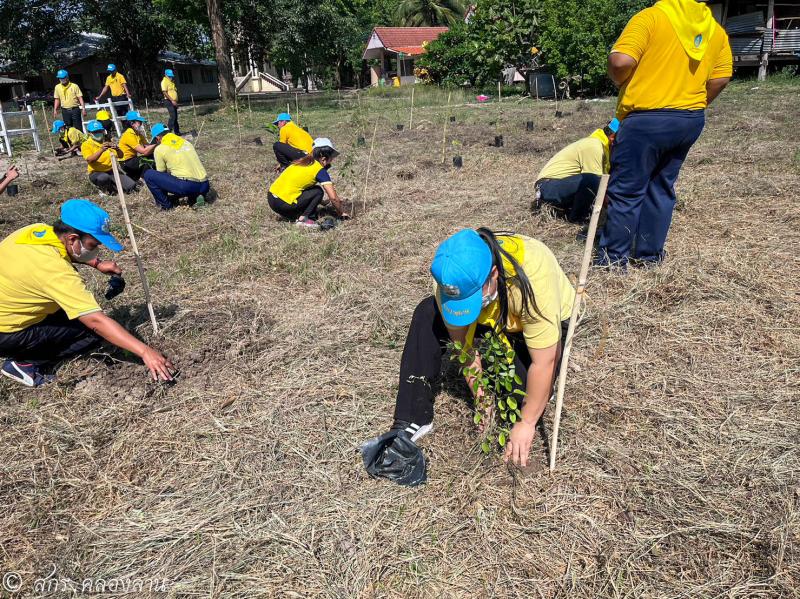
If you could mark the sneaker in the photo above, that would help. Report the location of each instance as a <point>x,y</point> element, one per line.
<point>307,223</point>
<point>102,194</point>
<point>27,374</point>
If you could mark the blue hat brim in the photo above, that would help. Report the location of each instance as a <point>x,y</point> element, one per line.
<point>461,312</point>
<point>108,240</point>
<point>55,129</point>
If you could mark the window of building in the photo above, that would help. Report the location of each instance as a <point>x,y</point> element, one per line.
<point>185,76</point>
<point>207,75</point>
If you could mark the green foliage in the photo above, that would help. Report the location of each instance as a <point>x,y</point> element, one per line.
<point>500,33</point>
<point>496,383</point>
<point>578,34</point>
<point>429,13</point>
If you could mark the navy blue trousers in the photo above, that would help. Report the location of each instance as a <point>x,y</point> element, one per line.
<point>574,195</point>
<point>649,150</point>
<point>160,184</point>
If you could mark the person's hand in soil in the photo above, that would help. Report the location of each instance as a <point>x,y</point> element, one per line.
<point>159,366</point>
<point>518,446</point>
<point>109,267</point>
<point>12,173</point>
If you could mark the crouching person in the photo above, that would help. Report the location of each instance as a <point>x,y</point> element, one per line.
<point>178,173</point>
<point>97,153</point>
<point>46,313</point>
<point>70,138</point>
<point>133,145</point>
<point>484,281</point>
<point>293,142</point>
<point>570,179</point>
<point>298,191</point>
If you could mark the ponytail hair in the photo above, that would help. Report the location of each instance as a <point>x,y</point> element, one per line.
<point>316,154</point>
<point>519,278</point>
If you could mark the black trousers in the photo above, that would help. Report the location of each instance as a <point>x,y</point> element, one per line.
<point>72,118</point>
<point>306,205</point>
<point>54,339</point>
<point>173,117</point>
<point>105,182</point>
<point>573,195</point>
<point>420,366</point>
<point>286,154</point>
<point>134,167</point>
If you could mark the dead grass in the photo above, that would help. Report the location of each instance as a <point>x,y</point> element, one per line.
<point>678,469</point>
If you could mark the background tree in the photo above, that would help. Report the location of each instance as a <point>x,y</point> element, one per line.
<point>429,13</point>
<point>219,37</point>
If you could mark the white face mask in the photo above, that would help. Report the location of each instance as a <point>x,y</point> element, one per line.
<point>85,255</point>
<point>488,299</point>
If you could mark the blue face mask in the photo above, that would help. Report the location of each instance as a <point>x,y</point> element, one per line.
<point>98,135</point>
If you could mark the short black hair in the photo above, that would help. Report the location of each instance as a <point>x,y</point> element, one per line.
<point>62,228</point>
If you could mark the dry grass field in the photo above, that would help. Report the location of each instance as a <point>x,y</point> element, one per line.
<point>678,465</point>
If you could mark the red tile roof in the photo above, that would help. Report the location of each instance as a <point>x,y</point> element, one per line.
<point>408,40</point>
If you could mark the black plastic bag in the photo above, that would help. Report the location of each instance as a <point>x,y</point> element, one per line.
<point>395,456</point>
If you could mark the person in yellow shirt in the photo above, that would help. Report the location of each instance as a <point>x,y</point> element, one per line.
<point>116,84</point>
<point>104,118</point>
<point>178,173</point>
<point>670,62</point>
<point>47,314</point>
<point>69,98</point>
<point>570,179</point>
<point>293,142</point>
<point>298,191</point>
<point>70,138</point>
<point>483,281</point>
<point>170,92</point>
<point>96,151</point>
<point>134,146</point>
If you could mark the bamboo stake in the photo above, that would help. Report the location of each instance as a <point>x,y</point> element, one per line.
<point>194,109</point>
<point>134,247</point>
<point>238,121</point>
<point>444,131</point>
<point>197,139</point>
<point>369,163</point>
<point>579,293</point>
<point>499,92</point>
<point>47,128</point>
<point>250,110</point>
<point>411,118</point>
<point>296,109</point>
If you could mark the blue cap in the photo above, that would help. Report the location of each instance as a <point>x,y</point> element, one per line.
<point>111,68</point>
<point>614,125</point>
<point>169,73</point>
<point>461,266</point>
<point>284,116</point>
<point>89,218</point>
<point>93,126</point>
<point>158,129</point>
<point>133,115</point>
<point>62,74</point>
<point>57,124</point>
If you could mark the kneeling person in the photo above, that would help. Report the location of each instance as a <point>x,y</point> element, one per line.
<point>70,138</point>
<point>46,313</point>
<point>133,145</point>
<point>178,171</point>
<point>97,153</point>
<point>570,179</point>
<point>297,192</point>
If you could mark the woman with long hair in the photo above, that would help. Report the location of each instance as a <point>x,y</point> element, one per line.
<point>510,284</point>
<point>296,194</point>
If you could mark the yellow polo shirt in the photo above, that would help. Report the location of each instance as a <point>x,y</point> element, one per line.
<point>665,76</point>
<point>115,83</point>
<point>129,141</point>
<point>72,136</point>
<point>552,290</point>
<point>168,86</point>
<point>295,179</point>
<point>297,137</point>
<point>102,164</point>
<point>583,156</point>
<point>68,94</point>
<point>176,156</point>
<point>38,279</point>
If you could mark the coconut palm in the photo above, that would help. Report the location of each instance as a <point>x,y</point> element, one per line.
<point>429,13</point>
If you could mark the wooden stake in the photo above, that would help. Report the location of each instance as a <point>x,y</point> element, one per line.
<point>369,163</point>
<point>411,118</point>
<point>250,110</point>
<point>47,127</point>
<point>196,141</point>
<point>579,293</point>
<point>134,247</point>
<point>499,92</point>
<point>296,109</point>
<point>194,109</point>
<point>238,121</point>
<point>444,131</point>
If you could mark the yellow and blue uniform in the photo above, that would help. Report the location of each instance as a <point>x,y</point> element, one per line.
<point>297,137</point>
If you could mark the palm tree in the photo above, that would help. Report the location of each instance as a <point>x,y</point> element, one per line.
<point>429,13</point>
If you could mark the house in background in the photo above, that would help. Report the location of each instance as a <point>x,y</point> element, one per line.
<point>87,67</point>
<point>396,50</point>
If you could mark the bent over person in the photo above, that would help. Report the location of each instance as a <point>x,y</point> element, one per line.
<point>96,151</point>
<point>670,62</point>
<point>484,281</point>
<point>293,142</point>
<point>47,314</point>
